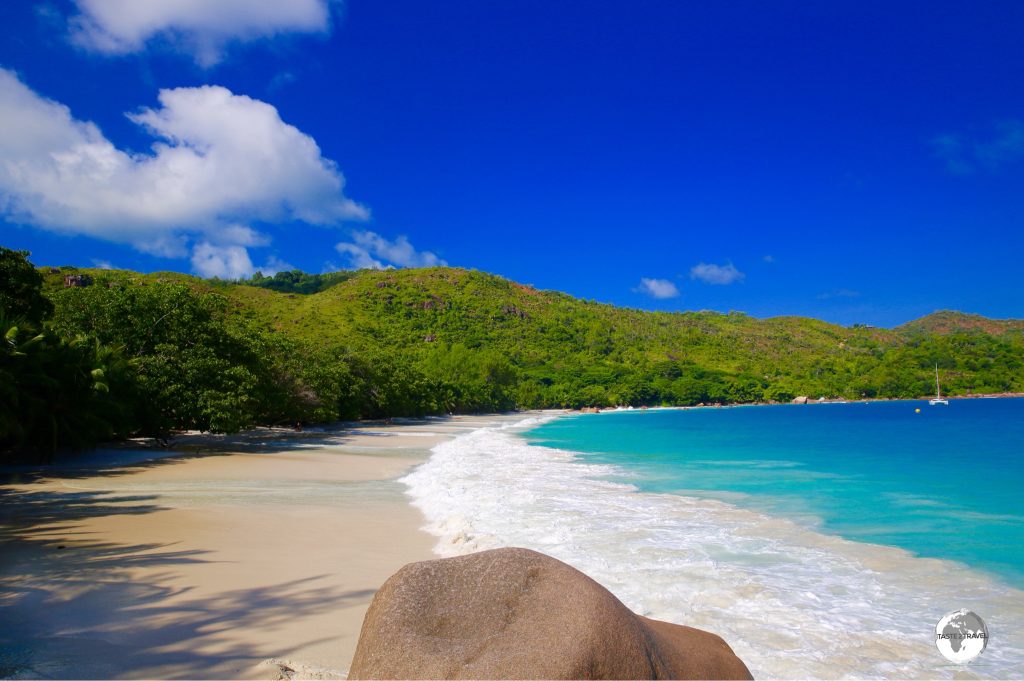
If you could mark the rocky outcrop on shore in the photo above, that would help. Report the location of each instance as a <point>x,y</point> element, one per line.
<point>517,614</point>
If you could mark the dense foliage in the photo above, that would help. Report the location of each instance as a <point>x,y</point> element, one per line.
<point>54,391</point>
<point>297,281</point>
<point>21,295</point>
<point>129,353</point>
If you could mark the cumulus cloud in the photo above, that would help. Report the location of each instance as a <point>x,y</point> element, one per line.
<point>369,250</point>
<point>716,274</point>
<point>219,162</point>
<point>275,265</point>
<point>242,235</point>
<point>224,262</point>
<point>657,288</point>
<point>964,154</point>
<point>358,258</point>
<point>231,262</point>
<point>202,28</point>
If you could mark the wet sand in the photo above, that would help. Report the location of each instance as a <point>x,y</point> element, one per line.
<point>205,564</point>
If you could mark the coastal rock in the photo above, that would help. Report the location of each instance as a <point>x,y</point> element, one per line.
<point>800,400</point>
<point>517,614</point>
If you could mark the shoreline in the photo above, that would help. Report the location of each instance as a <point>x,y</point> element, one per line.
<point>727,405</point>
<point>714,563</point>
<point>211,558</point>
<point>807,519</point>
<point>256,555</point>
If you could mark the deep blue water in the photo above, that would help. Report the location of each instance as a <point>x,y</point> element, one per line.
<point>947,482</point>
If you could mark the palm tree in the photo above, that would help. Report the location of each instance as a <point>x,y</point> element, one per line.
<point>58,394</point>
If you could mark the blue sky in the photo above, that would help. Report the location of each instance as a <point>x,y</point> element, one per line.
<point>852,161</point>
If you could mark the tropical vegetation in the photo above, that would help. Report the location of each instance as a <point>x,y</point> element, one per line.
<point>92,354</point>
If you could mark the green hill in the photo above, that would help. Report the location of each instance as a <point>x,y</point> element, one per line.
<point>577,352</point>
<point>299,347</point>
<point>555,339</point>
<point>945,322</point>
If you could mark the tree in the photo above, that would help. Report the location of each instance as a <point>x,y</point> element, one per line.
<point>56,394</point>
<point>21,295</point>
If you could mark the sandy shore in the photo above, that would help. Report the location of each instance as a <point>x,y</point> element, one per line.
<point>207,563</point>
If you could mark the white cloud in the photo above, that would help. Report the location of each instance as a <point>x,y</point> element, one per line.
<point>657,288</point>
<point>218,162</point>
<point>768,258</point>
<point>202,28</point>
<point>716,274</point>
<point>275,265</point>
<point>241,235</point>
<point>359,258</point>
<point>225,262</point>
<point>369,250</point>
<point>231,262</point>
<point>103,264</point>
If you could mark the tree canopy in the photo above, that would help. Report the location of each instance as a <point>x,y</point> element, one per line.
<point>148,354</point>
<point>21,294</point>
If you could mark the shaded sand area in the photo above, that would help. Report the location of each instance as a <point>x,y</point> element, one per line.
<point>206,562</point>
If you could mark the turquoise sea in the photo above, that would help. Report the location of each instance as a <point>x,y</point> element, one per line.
<point>821,541</point>
<point>945,482</point>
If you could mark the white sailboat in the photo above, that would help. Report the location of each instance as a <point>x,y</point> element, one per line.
<point>938,399</point>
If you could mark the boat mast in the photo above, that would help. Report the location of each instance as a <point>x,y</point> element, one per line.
<point>938,393</point>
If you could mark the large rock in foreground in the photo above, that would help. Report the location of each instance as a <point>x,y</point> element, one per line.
<point>518,614</point>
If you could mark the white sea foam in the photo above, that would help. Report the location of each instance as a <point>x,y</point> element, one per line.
<point>792,602</point>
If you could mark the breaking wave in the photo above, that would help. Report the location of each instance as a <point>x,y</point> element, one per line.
<point>792,602</point>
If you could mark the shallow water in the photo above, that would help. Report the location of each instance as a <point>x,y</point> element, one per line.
<point>943,483</point>
<point>772,576</point>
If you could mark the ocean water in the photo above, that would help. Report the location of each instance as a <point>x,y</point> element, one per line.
<point>820,541</point>
<point>947,482</point>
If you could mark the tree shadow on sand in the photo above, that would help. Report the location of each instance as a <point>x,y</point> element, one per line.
<point>73,606</point>
<point>125,628</point>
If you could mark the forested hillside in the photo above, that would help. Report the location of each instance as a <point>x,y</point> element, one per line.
<point>113,353</point>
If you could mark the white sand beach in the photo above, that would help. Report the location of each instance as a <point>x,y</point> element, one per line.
<point>206,563</point>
